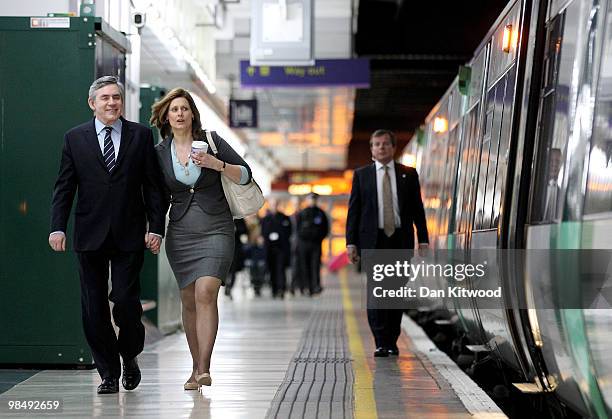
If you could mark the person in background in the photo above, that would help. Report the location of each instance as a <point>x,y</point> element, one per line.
<point>238,260</point>
<point>276,231</point>
<point>255,258</point>
<point>312,228</point>
<point>109,162</point>
<point>384,206</point>
<point>200,234</point>
<point>297,282</point>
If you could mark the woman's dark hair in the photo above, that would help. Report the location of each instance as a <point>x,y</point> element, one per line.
<point>159,113</point>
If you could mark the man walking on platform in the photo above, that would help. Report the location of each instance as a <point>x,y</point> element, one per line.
<point>276,231</point>
<point>111,163</point>
<point>384,204</point>
<point>312,228</point>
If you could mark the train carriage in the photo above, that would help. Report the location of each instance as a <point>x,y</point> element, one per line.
<point>520,157</point>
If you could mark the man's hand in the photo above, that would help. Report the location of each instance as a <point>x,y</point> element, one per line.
<point>352,253</point>
<point>153,243</point>
<point>57,241</point>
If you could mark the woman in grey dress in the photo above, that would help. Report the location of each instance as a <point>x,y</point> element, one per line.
<point>200,234</point>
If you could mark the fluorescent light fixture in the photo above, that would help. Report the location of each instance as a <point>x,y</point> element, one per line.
<point>175,47</point>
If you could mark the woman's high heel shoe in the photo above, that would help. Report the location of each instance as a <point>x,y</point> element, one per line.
<point>204,379</point>
<point>191,385</point>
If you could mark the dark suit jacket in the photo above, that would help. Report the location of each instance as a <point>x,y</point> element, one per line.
<point>280,224</point>
<point>362,218</point>
<point>122,201</point>
<point>207,191</point>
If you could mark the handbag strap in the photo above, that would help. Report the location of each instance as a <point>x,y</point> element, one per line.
<point>211,142</point>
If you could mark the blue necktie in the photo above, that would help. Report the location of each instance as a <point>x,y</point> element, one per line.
<point>109,150</point>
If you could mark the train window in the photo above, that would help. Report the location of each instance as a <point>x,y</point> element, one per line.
<point>499,88</point>
<point>450,176</point>
<point>477,80</point>
<point>469,163</point>
<point>493,160</point>
<point>504,141</point>
<point>553,120</point>
<point>599,184</point>
<point>484,161</point>
<point>501,57</point>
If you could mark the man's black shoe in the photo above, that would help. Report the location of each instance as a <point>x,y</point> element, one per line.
<point>381,352</point>
<point>109,386</point>
<point>393,351</point>
<point>131,374</point>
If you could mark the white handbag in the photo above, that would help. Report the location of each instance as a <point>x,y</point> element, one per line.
<point>243,200</point>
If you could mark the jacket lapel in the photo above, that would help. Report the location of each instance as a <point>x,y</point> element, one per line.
<point>399,180</point>
<point>163,149</point>
<point>91,139</point>
<point>374,194</point>
<point>127,134</point>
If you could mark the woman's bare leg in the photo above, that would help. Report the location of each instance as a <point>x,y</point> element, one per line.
<point>189,324</point>
<point>206,292</point>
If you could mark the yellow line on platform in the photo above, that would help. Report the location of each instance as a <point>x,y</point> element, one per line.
<point>363,388</point>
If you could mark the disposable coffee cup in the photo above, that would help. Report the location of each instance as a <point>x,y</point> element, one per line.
<point>199,147</point>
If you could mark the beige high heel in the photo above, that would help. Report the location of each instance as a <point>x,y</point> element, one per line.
<point>190,385</point>
<point>204,379</point>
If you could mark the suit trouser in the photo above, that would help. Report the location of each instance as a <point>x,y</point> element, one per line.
<point>127,310</point>
<point>386,324</point>
<point>276,267</point>
<point>310,258</point>
<point>297,282</point>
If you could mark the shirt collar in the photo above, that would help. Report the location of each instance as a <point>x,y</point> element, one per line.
<point>116,126</point>
<point>379,165</point>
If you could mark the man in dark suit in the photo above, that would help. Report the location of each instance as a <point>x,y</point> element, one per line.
<point>276,231</point>
<point>111,163</point>
<point>384,204</point>
<point>312,228</point>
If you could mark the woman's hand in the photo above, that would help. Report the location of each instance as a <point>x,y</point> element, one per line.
<point>206,160</point>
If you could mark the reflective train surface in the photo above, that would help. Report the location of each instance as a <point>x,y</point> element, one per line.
<point>518,155</point>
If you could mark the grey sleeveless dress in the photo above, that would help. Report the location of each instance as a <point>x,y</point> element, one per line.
<point>200,244</point>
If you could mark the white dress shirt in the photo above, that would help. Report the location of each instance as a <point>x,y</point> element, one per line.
<point>380,174</point>
<point>115,135</point>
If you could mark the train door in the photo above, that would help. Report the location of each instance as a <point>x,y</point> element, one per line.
<point>491,172</point>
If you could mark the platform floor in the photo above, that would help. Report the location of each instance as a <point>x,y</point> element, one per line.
<point>292,358</point>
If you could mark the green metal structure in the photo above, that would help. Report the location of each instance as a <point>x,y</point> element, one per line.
<point>46,67</point>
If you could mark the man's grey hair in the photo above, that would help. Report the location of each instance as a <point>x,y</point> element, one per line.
<point>105,81</point>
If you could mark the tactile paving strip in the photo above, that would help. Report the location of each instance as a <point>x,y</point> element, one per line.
<point>319,380</point>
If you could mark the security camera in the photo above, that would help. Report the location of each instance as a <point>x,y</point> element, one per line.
<point>139,19</point>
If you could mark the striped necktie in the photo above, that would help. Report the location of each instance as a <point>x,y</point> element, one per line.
<point>109,150</point>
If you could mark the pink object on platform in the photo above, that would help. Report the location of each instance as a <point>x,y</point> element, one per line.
<point>338,261</point>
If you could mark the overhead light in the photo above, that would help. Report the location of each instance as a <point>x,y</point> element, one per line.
<point>177,49</point>
<point>440,125</point>
<point>509,39</point>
